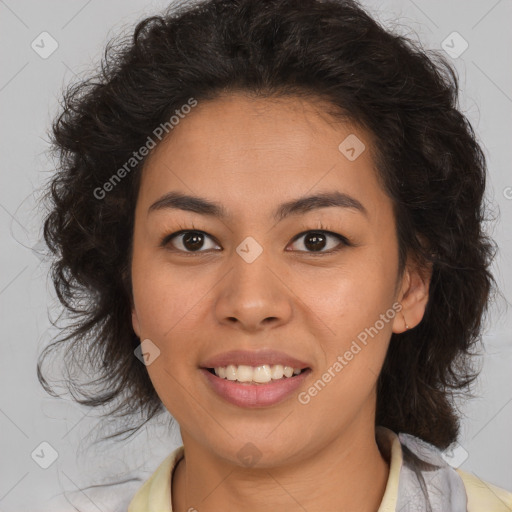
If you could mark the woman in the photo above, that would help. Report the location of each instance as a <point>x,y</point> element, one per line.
<point>274,213</point>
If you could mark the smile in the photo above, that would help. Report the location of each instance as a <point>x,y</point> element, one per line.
<point>260,374</point>
<point>250,393</point>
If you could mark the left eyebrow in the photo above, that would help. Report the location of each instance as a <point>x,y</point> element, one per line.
<point>323,200</point>
<point>302,205</point>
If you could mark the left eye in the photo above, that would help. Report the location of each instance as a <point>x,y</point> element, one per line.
<point>314,241</point>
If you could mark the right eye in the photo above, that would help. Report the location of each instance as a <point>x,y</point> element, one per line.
<point>187,241</point>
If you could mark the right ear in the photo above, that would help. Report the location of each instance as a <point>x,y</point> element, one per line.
<point>135,321</point>
<point>135,317</point>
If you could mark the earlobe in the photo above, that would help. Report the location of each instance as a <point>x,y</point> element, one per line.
<point>135,322</point>
<point>414,298</point>
<point>405,322</point>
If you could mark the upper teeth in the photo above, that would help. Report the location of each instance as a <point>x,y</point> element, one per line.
<point>262,374</point>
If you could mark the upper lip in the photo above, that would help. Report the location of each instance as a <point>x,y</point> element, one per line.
<point>252,358</point>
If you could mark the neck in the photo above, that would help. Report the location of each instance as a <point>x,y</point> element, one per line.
<point>347,474</point>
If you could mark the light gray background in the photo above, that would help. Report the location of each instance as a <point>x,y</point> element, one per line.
<point>30,87</point>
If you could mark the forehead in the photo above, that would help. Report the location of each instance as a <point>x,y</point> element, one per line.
<point>255,153</point>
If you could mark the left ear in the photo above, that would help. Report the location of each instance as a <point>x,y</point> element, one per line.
<point>413,296</point>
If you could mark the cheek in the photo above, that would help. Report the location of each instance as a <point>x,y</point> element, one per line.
<point>349,304</point>
<point>351,297</point>
<point>355,345</point>
<point>165,308</point>
<point>163,298</point>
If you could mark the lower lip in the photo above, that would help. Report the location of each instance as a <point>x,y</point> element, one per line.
<point>255,395</point>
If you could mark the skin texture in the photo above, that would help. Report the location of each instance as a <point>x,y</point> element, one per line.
<point>251,155</point>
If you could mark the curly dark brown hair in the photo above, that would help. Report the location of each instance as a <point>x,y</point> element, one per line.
<point>428,158</point>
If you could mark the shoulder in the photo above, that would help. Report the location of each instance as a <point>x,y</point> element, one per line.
<point>426,476</point>
<point>483,496</point>
<point>155,493</point>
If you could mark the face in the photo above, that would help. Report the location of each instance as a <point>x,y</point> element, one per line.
<point>297,286</point>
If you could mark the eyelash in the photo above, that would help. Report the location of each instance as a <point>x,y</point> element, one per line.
<point>344,242</point>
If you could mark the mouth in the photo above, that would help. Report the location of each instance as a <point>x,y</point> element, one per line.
<point>256,375</point>
<point>261,378</point>
<point>256,387</point>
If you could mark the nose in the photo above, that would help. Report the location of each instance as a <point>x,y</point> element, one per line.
<point>253,296</point>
